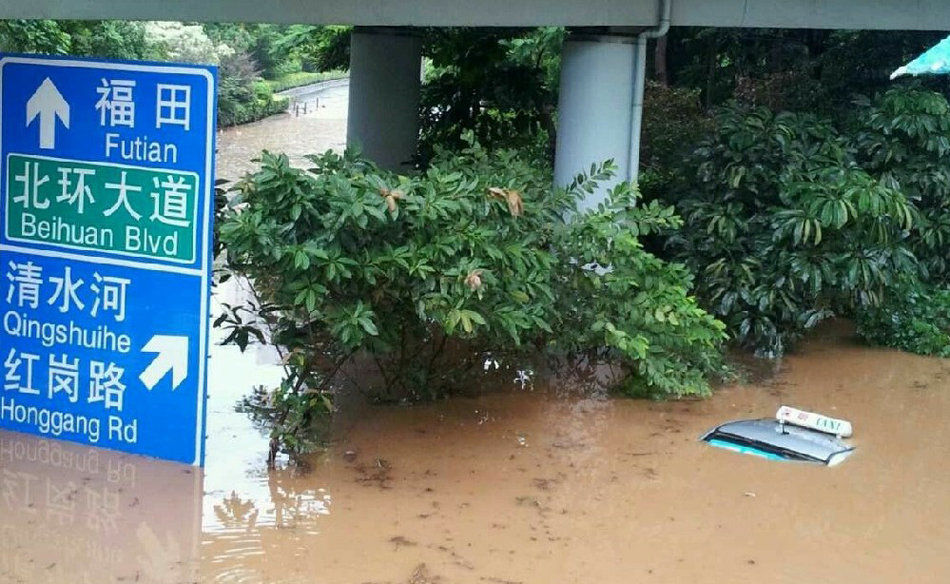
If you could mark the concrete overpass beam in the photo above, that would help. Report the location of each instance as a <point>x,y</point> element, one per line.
<point>595,108</point>
<point>383,116</point>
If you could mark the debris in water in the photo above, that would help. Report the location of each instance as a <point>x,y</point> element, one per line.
<point>527,500</point>
<point>544,484</point>
<point>400,541</point>
<point>421,575</point>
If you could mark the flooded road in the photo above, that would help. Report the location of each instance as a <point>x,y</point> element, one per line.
<point>323,127</point>
<point>534,485</point>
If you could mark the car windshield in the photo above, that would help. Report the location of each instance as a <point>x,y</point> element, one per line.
<point>767,437</point>
<point>783,452</point>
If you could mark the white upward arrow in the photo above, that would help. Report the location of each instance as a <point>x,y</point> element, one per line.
<point>172,356</point>
<point>47,103</point>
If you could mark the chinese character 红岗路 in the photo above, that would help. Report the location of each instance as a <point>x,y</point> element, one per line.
<point>105,384</point>
<point>64,377</point>
<point>13,379</point>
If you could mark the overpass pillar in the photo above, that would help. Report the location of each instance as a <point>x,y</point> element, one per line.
<point>595,108</point>
<point>385,78</point>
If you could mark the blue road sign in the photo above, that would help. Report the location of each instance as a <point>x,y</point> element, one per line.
<point>106,203</point>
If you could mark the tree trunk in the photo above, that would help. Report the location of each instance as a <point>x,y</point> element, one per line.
<point>659,62</point>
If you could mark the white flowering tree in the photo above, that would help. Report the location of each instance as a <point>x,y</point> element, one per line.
<point>185,43</point>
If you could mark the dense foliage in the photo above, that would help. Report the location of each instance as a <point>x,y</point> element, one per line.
<point>912,318</point>
<point>903,138</point>
<point>500,84</point>
<point>674,123</point>
<point>242,96</point>
<point>431,274</point>
<point>319,48</point>
<point>792,143</point>
<point>797,70</point>
<point>109,38</point>
<point>785,229</point>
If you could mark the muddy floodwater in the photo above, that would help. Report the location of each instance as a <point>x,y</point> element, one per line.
<point>315,123</point>
<point>532,485</point>
<point>539,484</point>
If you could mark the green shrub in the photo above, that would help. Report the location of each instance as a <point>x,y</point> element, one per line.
<point>500,84</point>
<point>784,229</point>
<point>674,123</point>
<point>242,96</point>
<point>912,319</point>
<point>618,304</point>
<point>903,137</point>
<point>108,39</point>
<point>326,48</point>
<point>473,255</point>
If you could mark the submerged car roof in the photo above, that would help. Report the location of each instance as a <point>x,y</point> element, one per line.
<point>768,431</point>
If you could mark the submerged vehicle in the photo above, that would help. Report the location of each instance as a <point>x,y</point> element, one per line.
<point>792,435</point>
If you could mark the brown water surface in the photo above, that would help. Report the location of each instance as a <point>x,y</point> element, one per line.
<point>322,128</point>
<point>534,486</point>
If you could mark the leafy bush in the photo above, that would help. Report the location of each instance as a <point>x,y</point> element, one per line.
<point>903,137</point>
<point>242,96</point>
<point>500,84</point>
<point>34,36</point>
<point>325,48</point>
<point>912,319</point>
<point>636,312</point>
<point>110,39</point>
<point>785,229</point>
<point>430,274</point>
<point>674,123</point>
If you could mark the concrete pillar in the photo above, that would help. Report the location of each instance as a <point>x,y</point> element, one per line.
<point>383,116</point>
<point>595,108</point>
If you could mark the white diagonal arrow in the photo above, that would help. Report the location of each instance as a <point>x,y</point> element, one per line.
<point>47,103</point>
<point>172,356</point>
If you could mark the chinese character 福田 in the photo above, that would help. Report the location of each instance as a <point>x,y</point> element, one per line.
<point>116,99</point>
<point>174,106</point>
